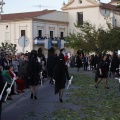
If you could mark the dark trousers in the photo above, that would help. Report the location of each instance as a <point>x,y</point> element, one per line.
<point>85,65</point>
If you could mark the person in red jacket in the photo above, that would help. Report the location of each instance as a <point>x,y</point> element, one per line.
<point>19,82</point>
<point>66,57</point>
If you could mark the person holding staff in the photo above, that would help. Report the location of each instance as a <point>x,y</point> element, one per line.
<point>60,75</point>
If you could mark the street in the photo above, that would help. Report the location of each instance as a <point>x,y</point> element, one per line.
<point>24,106</point>
<point>81,101</point>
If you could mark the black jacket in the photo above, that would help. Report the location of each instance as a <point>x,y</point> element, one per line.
<point>60,75</point>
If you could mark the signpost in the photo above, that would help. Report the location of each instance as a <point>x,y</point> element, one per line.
<point>23,42</point>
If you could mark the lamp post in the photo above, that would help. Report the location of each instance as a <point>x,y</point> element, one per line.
<point>1,7</point>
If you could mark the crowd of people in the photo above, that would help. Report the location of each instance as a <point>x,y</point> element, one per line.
<point>28,70</point>
<point>104,65</point>
<point>90,62</point>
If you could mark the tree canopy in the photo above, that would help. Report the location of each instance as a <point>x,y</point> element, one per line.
<point>6,47</point>
<point>93,39</point>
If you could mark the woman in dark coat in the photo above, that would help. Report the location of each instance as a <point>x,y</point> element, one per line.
<point>78,62</point>
<point>60,75</point>
<point>114,64</point>
<point>33,71</point>
<point>102,71</point>
<point>51,62</point>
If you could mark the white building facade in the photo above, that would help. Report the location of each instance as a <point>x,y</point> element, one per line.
<point>47,23</point>
<point>94,11</point>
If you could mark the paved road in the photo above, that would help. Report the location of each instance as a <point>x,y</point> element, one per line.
<point>22,105</point>
<point>24,108</point>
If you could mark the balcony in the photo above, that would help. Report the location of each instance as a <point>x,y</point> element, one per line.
<point>49,42</point>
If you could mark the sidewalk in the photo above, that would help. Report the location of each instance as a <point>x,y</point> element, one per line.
<point>17,97</point>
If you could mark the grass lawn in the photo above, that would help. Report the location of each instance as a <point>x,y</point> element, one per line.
<point>91,103</point>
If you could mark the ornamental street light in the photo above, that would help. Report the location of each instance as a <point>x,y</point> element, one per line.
<point>1,7</point>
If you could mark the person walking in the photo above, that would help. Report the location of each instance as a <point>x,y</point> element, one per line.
<point>51,62</point>
<point>60,75</point>
<point>114,65</point>
<point>33,71</point>
<point>2,83</point>
<point>78,62</point>
<point>85,62</point>
<point>102,71</point>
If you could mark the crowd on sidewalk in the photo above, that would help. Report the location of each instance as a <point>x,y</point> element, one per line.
<point>22,71</point>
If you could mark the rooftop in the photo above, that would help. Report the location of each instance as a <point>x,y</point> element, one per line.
<point>109,6</point>
<point>25,15</point>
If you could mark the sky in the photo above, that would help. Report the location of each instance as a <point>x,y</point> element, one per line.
<point>16,6</point>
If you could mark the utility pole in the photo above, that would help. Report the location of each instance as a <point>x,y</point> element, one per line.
<point>1,7</point>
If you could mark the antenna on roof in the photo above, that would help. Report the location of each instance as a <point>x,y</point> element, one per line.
<point>42,6</point>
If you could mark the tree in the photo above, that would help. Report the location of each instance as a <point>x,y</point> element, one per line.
<point>93,39</point>
<point>87,37</point>
<point>9,47</point>
<point>118,3</point>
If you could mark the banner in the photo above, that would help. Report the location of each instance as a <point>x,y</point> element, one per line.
<point>46,44</point>
<point>61,44</point>
<point>49,44</point>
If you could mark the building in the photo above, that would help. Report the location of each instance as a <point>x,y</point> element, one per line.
<point>93,11</point>
<point>46,23</point>
<point>114,2</point>
<point>43,28</point>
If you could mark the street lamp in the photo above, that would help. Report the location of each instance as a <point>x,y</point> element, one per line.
<point>1,7</point>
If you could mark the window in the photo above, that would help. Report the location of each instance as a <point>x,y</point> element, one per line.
<point>22,33</point>
<point>80,18</point>
<point>105,11</point>
<point>80,1</point>
<point>51,34</point>
<point>7,36</point>
<point>115,23</point>
<point>40,33</point>
<point>61,34</point>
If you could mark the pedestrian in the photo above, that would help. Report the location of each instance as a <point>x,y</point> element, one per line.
<point>102,71</point>
<point>15,64</point>
<point>24,71</point>
<point>2,83</point>
<point>60,75</point>
<point>19,82</point>
<point>62,52</point>
<point>33,71</point>
<point>51,62</point>
<point>78,62</point>
<point>6,61</point>
<point>114,65</point>
<point>85,62</point>
<point>21,63</point>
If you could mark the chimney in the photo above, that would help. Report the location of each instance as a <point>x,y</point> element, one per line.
<point>63,3</point>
